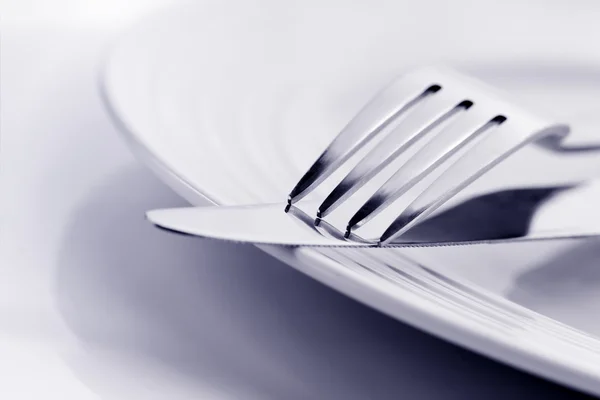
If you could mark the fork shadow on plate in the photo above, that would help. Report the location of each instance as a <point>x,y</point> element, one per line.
<point>226,318</point>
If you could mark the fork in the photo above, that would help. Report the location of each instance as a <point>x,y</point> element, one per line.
<point>457,129</point>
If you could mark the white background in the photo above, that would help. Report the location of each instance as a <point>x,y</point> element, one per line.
<point>95,303</point>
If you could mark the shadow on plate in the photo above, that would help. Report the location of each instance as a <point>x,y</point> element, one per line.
<point>566,288</point>
<point>235,319</point>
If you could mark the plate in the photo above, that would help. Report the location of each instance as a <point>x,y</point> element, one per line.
<point>229,102</point>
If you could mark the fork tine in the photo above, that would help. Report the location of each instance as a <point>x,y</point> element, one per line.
<point>502,141</point>
<point>433,111</point>
<point>454,137</point>
<point>389,104</point>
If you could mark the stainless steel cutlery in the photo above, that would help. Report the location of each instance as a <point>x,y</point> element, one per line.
<point>406,159</point>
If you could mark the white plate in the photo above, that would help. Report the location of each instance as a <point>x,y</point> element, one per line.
<point>230,101</point>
